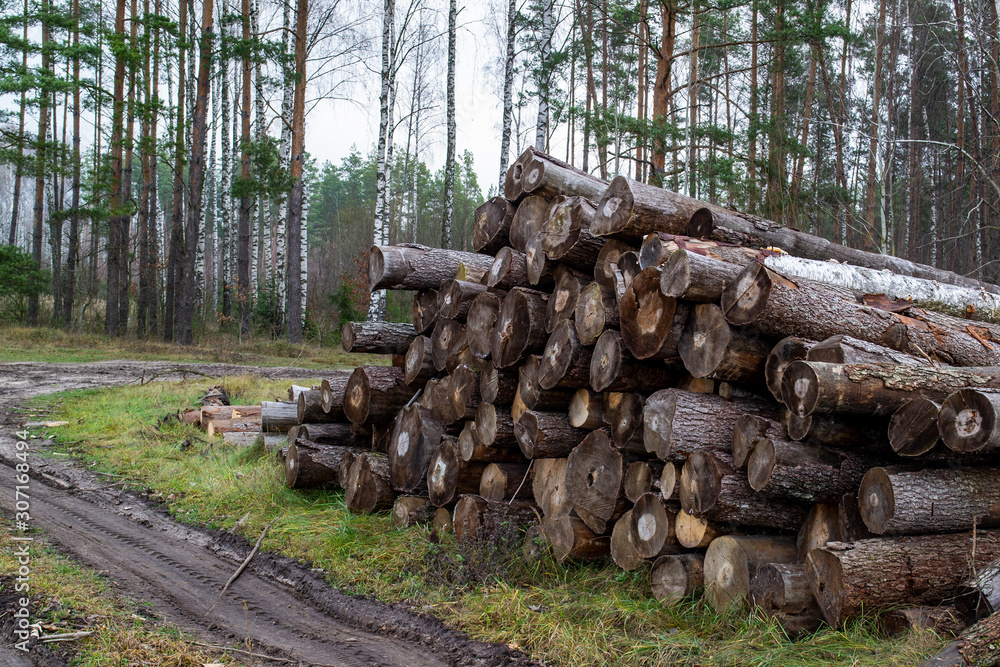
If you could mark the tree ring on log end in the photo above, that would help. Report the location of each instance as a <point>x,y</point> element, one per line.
<point>761,463</point>
<point>876,500</point>
<point>675,274</point>
<point>701,483</point>
<point>968,420</point>
<point>913,428</point>
<point>826,580</point>
<point>746,296</point>
<point>800,388</point>
<point>701,224</point>
<point>647,315</point>
<point>357,396</point>
<point>705,340</point>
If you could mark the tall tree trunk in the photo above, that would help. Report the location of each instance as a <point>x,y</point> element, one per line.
<point>260,271</point>
<point>914,148</point>
<point>661,89</point>
<point>40,155</point>
<point>73,250</point>
<point>144,222</point>
<point>544,76</point>
<point>112,314</point>
<point>874,127</point>
<point>225,187</point>
<point>296,201</point>
<point>775,208</point>
<point>19,168</point>
<point>176,249</point>
<point>508,92</point>
<point>449,165</point>
<point>212,208</point>
<point>125,231</point>
<point>58,164</point>
<point>693,102</point>
<point>153,261</point>
<point>244,295</point>
<point>376,310</point>
<point>754,121</point>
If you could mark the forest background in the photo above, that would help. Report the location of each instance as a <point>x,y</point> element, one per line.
<point>156,177</point>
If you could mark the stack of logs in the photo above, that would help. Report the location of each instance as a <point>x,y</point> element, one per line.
<point>745,409</point>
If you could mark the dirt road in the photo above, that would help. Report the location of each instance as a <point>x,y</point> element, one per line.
<point>285,608</point>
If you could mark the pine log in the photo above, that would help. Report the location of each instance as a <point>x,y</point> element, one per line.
<point>442,522</point>
<point>821,527</point>
<point>496,385</point>
<point>647,315</point>
<point>695,532</point>
<point>449,340</point>
<point>899,501</point>
<point>423,311</point>
<point>829,431</point>
<point>796,471</point>
<point>513,189</point>
<point>345,466</point>
<point>294,390</point>
<point>944,620</point>
<point>651,527</point>
<point>531,391</point>
<point>509,270</point>
<point>776,306</point>
<point>886,571</point>
<point>278,416</point>
<point>228,412</point>
<point>313,467</point>
<point>627,270</point>
<point>333,392</point>
<point>269,441</point>
<point>494,426</point>
<point>548,486</point>
<point>546,434</point>
<point>377,337</point>
<point>639,478</point>
<point>585,410</point>
<point>623,553</point>
<point>711,488</point>
<point>419,364</point>
<point>544,175</point>
<point>375,393</point>
<point>505,481</point>
<point>309,409</point>
<point>968,421</point>
<point>471,448</point>
<point>594,474</point>
<point>596,309</point>
<point>476,518</point>
<point>677,576</point>
<point>417,267</point>
<point>448,476</point>
<point>412,511</point>
<point>491,225</point>
<point>541,272</point>
<point>747,431</point>
<point>416,434</point>
<point>573,540</point>
<point>561,305</point>
<point>677,423</point>
<point>565,362</point>
<point>630,210</point>
<point>480,322</point>
<point>529,217</point>
<point>368,488</point>
<point>606,267</point>
<point>710,347</point>
<point>566,233</point>
<point>613,369</point>
<point>239,425</point>
<point>626,423</point>
<point>689,275</point>
<point>785,351</point>
<point>913,429</point>
<point>324,434</point>
<point>977,647</point>
<point>455,298</point>
<point>850,525</point>
<point>980,595</point>
<point>520,327</point>
<point>463,393</point>
<point>781,590</point>
<point>844,349</point>
<point>732,561</point>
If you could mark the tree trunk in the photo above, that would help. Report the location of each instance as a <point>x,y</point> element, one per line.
<point>73,251</point>
<point>566,233</point>
<point>546,434</point>
<point>781,591</point>
<point>377,337</point>
<point>544,176</point>
<point>278,417</point>
<point>565,296</point>
<point>623,553</point>
<point>968,421</point>
<point>480,322</point>
<point>450,158</point>
<point>416,267</point>
<point>508,91</point>
<point>795,471</point>
<point>416,435</point>
<point>333,433</point>
<point>314,466</point>
<point>375,393</point>
<point>689,275</point>
<point>787,350</point>
<point>497,386</point>
<point>117,203</point>
<point>732,561</point>
<point>573,540</point>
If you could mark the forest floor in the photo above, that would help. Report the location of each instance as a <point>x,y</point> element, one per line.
<point>154,485</point>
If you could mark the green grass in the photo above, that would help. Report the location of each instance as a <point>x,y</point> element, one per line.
<point>57,345</point>
<point>569,615</point>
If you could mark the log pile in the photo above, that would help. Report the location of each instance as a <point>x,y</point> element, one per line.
<point>632,374</point>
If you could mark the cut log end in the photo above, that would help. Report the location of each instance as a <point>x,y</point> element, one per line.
<point>876,500</point>
<point>913,428</point>
<point>800,388</point>
<point>745,298</point>
<point>968,421</point>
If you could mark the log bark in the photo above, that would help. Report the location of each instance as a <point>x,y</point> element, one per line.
<point>375,393</point>
<point>418,367</point>
<point>565,361</point>
<point>623,553</point>
<point>513,190</point>
<point>830,431</point>
<point>544,176</point>
<point>573,540</point>
<point>594,474</point>
<point>596,310</point>
<point>377,337</point>
<point>913,429</point>
<point>887,571</point>
<point>585,410</point>
<point>463,393</point>
<point>695,532</point>
<point>505,481</point>
<point>520,327</point>
<point>640,477</point>
<point>710,347</point>
<point>417,267</point>
<point>471,448</point>
<point>675,577</point>
<point>613,369</point>
<point>944,620</point>
<point>529,217</point>
<point>747,431</point>
<point>692,276</point>
<point>455,298</point>
<point>647,316</point>
<point>324,434</point>
<point>849,522</point>
<point>781,591</point>
<point>796,471</point>
<point>412,511</point>
<point>548,487</point>
<point>566,233</point>
<point>821,527</point>
<point>968,421</point>
<point>368,488</point>
<point>630,210</point>
<point>546,434</point>
<point>480,322</point>
<point>732,561</point>
<point>423,311</point>
<point>309,409</point>
<point>651,527</point>
<point>495,426</point>
<point>776,306</point>
<point>843,349</point>
<point>565,295</point>
<point>241,424</point>
<point>898,501</point>
<point>980,595</point>
<point>448,476</point>
<point>497,385</point>
<point>975,648</point>
<point>509,270</point>
<point>531,391</point>
<point>415,435</point>
<point>476,518</point>
<point>313,467</point>
<point>491,226</point>
<point>278,416</point>
<point>785,351</point>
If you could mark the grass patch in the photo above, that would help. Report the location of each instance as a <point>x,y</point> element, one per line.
<point>48,344</point>
<point>569,615</point>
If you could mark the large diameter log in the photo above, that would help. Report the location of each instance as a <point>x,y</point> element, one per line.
<point>455,298</point>
<point>541,272</point>
<point>596,309</point>
<point>830,431</point>
<point>968,421</point>
<point>418,366</point>
<point>491,225</point>
<point>850,525</point>
<point>546,434</point>
<point>448,476</point>
<point>565,295</point>
<point>785,351</point>
<point>913,429</point>
<point>368,488</point>
<point>975,648</point>
<point>505,481</point>
<point>689,275</point>
<point>886,571</point>
<point>898,501</point>
<point>712,489</point>
<point>416,434</point>
<point>776,306</point>
<point>566,233</point>
<point>810,387</point>
<point>377,337</point>
<point>375,393</point>
<point>623,552</point>
<point>677,423</point>
<point>585,410</point>
<point>651,527</point>
<point>533,394</point>
<point>497,385</point>
<point>417,267</point>
<point>821,527</point>
<point>573,540</point>
<point>973,303</point>
<point>565,361</point>
<point>710,347</point>
<point>747,432</point>
<point>308,467</point>
<point>520,327</point>
<point>796,471</point>
<point>479,323</point>
<point>781,591</point>
<point>647,315</point>
<point>630,210</point>
<point>476,518</point>
<point>545,176</point>
<point>411,511</point>
<point>548,487</point>
<point>675,577</point>
<point>695,532</point>
<point>528,219</point>
<point>423,311</point>
<point>613,369</point>
<point>594,474</point>
<point>732,561</point>
<point>278,416</point>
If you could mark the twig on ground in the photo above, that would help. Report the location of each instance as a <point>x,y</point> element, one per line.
<point>239,524</point>
<point>66,636</point>
<point>246,561</point>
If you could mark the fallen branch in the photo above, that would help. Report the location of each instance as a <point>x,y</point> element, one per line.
<point>246,561</point>
<point>255,655</point>
<point>66,636</point>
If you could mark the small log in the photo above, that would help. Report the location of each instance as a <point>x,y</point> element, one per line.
<point>782,589</point>
<point>843,349</point>
<point>626,423</point>
<point>623,553</point>
<point>711,347</point>
<point>639,478</point>
<point>651,527</point>
<point>535,549</point>
<point>566,233</point>
<point>505,481</point>
<point>513,189</point>
<point>239,425</point>
<point>471,448</point>
<point>497,385</point>
<point>647,316</point>
<point>785,351</point>
<point>333,392</point>
<point>668,482</point>
<point>606,272</point>
<point>442,522</point>
<point>520,327</point>
<point>548,487</point>
<point>545,176</point>
<point>377,337</point>
<point>309,408</point>
<point>531,391</point>
<point>509,270</point>
<point>627,270</point>
<point>541,272</point>
<point>746,433</point>
<point>980,595</point>
<point>796,471</point>
<point>308,467</point>
<point>529,217</point>
<point>416,434</point>
<point>694,532</point>
<point>448,476</point>
<point>448,342</point>
<point>943,620</point>
<point>886,571</point>
<point>677,576</point>
<point>480,321</point>
<point>690,275</point>
<point>565,362</point>
<point>585,410</point>
<point>630,210</point>
<point>612,369</point>
<point>491,225</point>
<point>418,366</point>
<point>476,518</point>
<point>732,561</point>
<point>596,309</point>
<point>463,393</point>
<point>828,431</point>
<point>594,474</point>
<point>455,298</point>
<point>411,511</point>
<point>968,421</point>
<point>368,488</point>
<point>278,416</point>
<point>573,540</point>
<point>565,295</point>
<point>345,466</point>
<point>294,390</point>
<point>898,501</point>
<point>417,267</point>
<point>423,311</point>
<point>821,527</point>
<point>375,393</point>
<point>494,426</point>
<point>913,429</point>
<point>546,434</point>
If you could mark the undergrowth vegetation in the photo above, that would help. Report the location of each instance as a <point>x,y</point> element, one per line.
<point>568,615</point>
